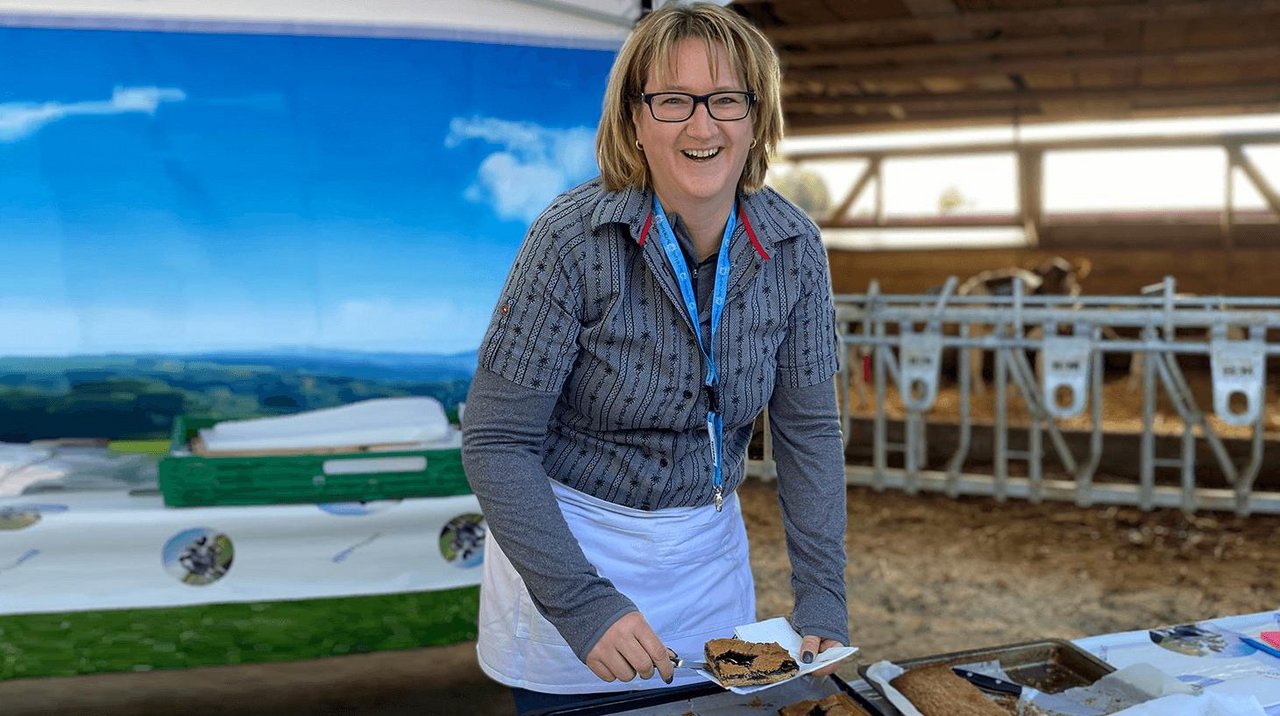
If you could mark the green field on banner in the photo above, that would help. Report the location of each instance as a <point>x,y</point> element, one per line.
<point>177,638</point>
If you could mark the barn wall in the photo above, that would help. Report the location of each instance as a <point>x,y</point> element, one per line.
<point>1241,272</point>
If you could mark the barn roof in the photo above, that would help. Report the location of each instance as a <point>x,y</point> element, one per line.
<point>852,65</point>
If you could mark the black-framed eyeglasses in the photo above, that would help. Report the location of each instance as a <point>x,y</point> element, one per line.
<point>678,106</point>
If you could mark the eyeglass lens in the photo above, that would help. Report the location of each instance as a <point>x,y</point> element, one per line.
<point>679,106</point>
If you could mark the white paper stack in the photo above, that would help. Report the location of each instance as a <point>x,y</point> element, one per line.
<point>413,421</point>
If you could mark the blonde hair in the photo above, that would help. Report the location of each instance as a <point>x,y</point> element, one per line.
<point>651,44</point>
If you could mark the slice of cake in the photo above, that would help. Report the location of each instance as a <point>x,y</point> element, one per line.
<point>833,705</point>
<point>746,663</point>
<point>937,691</point>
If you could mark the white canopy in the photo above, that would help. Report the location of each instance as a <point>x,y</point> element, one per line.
<point>603,22</point>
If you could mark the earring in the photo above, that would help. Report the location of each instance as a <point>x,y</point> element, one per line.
<point>639,146</point>
<point>753,144</point>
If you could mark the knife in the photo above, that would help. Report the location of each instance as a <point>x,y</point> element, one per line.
<point>679,662</point>
<point>988,683</point>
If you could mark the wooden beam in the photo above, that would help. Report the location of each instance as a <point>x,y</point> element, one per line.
<point>1053,19</point>
<point>808,125</point>
<point>1030,192</point>
<point>1260,182</point>
<point>924,223</point>
<point>1158,141</point>
<point>1158,235</point>
<point>938,8</point>
<point>898,119</point>
<point>942,50</point>
<point>926,101</point>
<point>817,125</point>
<point>1260,55</point>
<point>872,171</point>
<point>880,215</point>
<point>1228,206</point>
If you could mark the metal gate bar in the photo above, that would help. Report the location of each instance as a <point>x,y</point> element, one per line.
<point>925,326</point>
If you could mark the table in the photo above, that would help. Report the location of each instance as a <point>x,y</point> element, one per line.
<point>1208,654</point>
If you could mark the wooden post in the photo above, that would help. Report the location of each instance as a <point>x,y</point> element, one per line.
<point>880,217</point>
<point>1255,176</point>
<point>1228,208</point>
<point>872,171</point>
<point>1031,192</point>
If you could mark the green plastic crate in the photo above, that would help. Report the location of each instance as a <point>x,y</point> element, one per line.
<point>188,480</point>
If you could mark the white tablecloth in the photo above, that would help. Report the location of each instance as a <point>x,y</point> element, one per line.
<point>1208,654</point>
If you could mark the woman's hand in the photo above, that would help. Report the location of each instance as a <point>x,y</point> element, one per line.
<point>630,648</point>
<point>813,645</point>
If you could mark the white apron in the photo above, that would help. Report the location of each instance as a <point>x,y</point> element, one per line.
<point>687,569</point>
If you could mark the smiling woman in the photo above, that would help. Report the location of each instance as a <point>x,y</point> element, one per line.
<point>696,157</point>
<point>649,318</point>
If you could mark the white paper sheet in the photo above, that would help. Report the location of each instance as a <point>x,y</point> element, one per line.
<point>880,674</point>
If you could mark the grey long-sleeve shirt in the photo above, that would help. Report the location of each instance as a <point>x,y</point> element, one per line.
<point>505,427</point>
<point>589,375</point>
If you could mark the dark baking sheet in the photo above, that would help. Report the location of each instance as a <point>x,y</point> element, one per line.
<point>711,699</point>
<point>1051,665</point>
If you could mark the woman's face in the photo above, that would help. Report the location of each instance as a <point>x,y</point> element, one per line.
<point>698,161</point>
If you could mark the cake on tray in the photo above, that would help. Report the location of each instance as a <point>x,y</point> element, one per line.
<point>937,691</point>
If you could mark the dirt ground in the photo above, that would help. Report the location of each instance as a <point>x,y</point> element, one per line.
<point>927,574</point>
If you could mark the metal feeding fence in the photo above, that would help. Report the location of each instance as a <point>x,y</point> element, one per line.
<point>904,338</point>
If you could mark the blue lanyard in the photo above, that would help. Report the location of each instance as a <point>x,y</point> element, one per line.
<point>715,422</point>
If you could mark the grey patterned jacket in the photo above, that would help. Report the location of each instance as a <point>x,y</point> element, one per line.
<point>591,328</point>
<point>593,313</point>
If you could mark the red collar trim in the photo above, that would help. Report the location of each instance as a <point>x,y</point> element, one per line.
<point>746,224</point>
<point>751,233</point>
<point>648,222</point>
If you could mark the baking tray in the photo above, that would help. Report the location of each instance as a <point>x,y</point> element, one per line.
<point>1050,665</point>
<point>710,700</point>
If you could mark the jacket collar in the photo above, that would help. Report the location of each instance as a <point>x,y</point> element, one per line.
<point>768,212</point>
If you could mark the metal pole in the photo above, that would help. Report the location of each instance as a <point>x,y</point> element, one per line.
<point>878,447</point>
<point>1147,453</point>
<point>1001,437</point>
<point>1084,478</point>
<point>966,426</point>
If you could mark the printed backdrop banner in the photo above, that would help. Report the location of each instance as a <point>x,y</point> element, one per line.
<point>236,224</point>
<point>97,551</point>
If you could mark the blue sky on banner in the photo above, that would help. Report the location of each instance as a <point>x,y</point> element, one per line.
<point>171,192</point>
